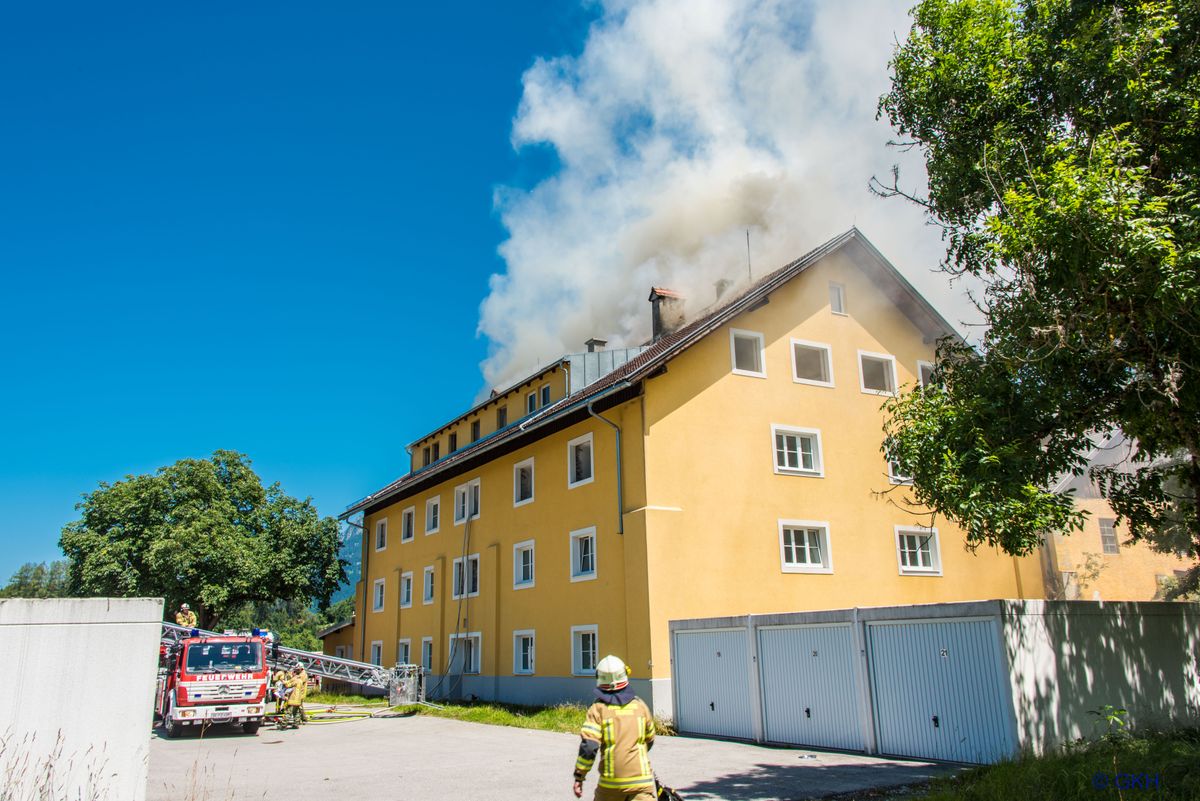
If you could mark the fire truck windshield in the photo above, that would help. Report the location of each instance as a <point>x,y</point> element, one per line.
<point>224,657</point>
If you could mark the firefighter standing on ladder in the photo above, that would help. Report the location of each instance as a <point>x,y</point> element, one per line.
<point>185,617</point>
<point>620,728</point>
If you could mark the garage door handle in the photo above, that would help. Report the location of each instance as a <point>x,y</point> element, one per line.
<point>712,706</point>
<point>936,722</point>
<point>807,712</point>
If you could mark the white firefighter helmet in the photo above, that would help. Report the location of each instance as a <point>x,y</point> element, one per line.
<point>184,606</point>
<point>611,673</point>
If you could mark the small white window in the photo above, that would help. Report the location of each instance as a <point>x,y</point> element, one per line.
<point>523,565</point>
<point>427,653</point>
<point>523,482</point>
<point>545,395</point>
<point>377,652</point>
<point>804,546</point>
<point>812,363</point>
<point>523,652</point>
<point>466,501</point>
<point>797,451</point>
<point>404,652</point>
<point>837,298</point>
<point>406,587</point>
<point>579,461</point>
<point>1108,536</point>
<point>877,373</point>
<point>340,651</point>
<point>465,652</point>
<point>433,514</point>
<point>381,534</point>
<point>377,590</point>
<point>896,475</point>
<point>583,554</point>
<point>408,524</point>
<point>917,551</point>
<point>746,350</point>
<point>465,582</point>
<point>427,595</point>
<point>583,650</point>
<point>925,373</point>
<point>531,403</point>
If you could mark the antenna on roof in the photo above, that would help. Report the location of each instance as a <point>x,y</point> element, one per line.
<point>749,272</point>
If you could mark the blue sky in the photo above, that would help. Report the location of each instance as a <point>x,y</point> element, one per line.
<point>261,226</point>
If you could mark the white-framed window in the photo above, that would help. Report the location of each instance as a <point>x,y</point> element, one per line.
<point>377,591</point>
<point>746,353</point>
<point>381,534</point>
<point>523,575</point>
<point>465,583</point>
<point>466,501</point>
<point>812,363</point>
<point>837,298</point>
<point>408,524</point>
<point>427,653</point>
<point>584,648</point>
<point>465,648</point>
<point>804,546</point>
<point>523,643</point>
<point>917,551</point>
<point>406,582</point>
<point>474,430</point>
<point>340,652</point>
<point>427,591</point>
<point>896,475</point>
<point>433,514</point>
<point>583,554</point>
<point>531,403</point>
<point>377,652</point>
<point>545,395</point>
<point>876,373</point>
<point>925,373</point>
<point>501,417</point>
<point>523,482</point>
<point>579,462</point>
<point>1108,536</point>
<point>404,651</point>
<point>797,450</point>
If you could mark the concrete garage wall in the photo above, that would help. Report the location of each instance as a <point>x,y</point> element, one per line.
<point>78,695</point>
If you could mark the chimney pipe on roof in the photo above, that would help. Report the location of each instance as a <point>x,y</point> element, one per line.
<point>595,343</point>
<point>667,311</point>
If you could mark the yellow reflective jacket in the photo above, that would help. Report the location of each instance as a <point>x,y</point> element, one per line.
<point>186,619</point>
<point>620,730</point>
<point>299,684</point>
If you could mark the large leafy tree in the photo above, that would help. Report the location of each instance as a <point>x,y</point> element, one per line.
<point>1062,145</point>
<point>204,531</point>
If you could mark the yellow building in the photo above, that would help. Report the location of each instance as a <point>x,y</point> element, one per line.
<point>731,465</point>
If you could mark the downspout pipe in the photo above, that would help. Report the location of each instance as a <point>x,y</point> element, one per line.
<point>620,485</point>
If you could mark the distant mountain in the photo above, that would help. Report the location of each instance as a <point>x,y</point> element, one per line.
<point>351,551</point>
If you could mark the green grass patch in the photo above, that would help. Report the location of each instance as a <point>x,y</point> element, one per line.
<point>336,699</point>
<point>561,717</point>
<point>1160,766</point>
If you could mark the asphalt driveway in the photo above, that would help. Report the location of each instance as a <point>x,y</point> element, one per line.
<point>424,758</point>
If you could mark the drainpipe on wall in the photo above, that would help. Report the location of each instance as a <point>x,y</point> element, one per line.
<point>620,487</point>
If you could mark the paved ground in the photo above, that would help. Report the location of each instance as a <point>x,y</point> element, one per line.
<point>423,758</point>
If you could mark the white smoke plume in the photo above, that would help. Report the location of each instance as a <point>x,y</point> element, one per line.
<point>680,125</point>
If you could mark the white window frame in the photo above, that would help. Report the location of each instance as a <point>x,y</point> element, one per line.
<point>818,453</point>
<point>526,545</point>
<point>427,653</point>
<point>571,445</point>
<point>862,384</point>
<point>577,652</point>
<point>734,333</point>
<point>576,536</point>
<point>476,652</point>
<point>428,590</point>
<point>406,583</point>
<point>408,524</point>
<point>381,532</point>
<point>895,476</point>
<point>459,576</point>
<point>518,635</point>
<point>935,552</point>
<point>517,484</point>
<point>822,526</point>
<point>377,652</point>
<point>1111,523</point>
<point>378,594</point>
<point>544,396</point>
<point>531,402</point>
<point>922,364</point>
<point>841,296</point>
<point>340,652</point>
<point>466,490</point>
<point>433,503</point>
<point>406,643</point>
<point>828,349</point>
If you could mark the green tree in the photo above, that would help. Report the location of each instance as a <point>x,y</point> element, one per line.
<point>295,623</point>
<point>1062,147</point>
<point>204,531</point>
<point>38,580</point>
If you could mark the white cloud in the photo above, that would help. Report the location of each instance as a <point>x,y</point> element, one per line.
<point>680,125</point>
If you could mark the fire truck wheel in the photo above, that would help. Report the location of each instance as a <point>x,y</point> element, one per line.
<point>170,725</point>
<point>251,728</point>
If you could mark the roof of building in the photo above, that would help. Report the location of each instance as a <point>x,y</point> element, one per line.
<point>325,632</point>
<point>670,345</point>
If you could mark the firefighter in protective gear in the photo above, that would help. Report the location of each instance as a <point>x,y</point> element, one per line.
<point>620,728</point>
<point>302,675</point>
<point>185,617</point>
<point>297,684</point>
<point>279,681</point>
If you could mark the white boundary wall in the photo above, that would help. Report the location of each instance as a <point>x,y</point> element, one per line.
<point>77,696</point>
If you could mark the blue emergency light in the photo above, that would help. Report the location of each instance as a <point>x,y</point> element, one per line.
<point>194,633</point>
<point>256,632</point>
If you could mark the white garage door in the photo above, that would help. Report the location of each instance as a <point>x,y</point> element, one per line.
<point>712,684</point>
<point>809,695</point>
<point>939,690</point>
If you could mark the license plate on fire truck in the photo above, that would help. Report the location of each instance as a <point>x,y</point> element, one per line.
<point>219,715</point>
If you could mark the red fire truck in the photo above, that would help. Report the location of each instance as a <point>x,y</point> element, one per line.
<point>203,680</point>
